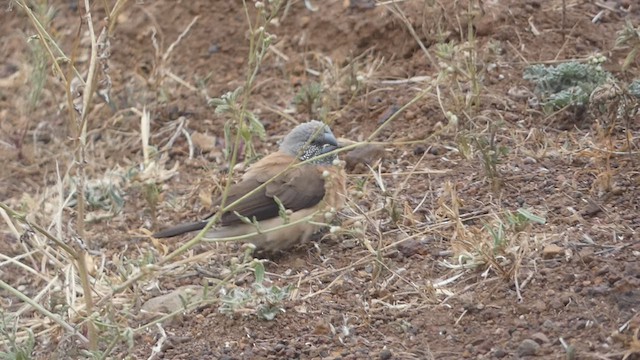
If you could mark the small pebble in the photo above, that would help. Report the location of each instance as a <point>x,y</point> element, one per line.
<point>499,353</point>
<point>549,324</point>
<point>528,347</point>
<point>551,251</point>
<point>215,48</point>
<point>540,338</point>
<point>386,354</point>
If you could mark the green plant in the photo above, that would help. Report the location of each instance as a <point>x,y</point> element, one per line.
<point>104,194</point>
<point>629,36</point>
<point>461,69</point>
<point>39,67</point>
<point>309,98</point>
<point>568,84</point>
<point>242,124</point>
<point>38,58</point>
<point>264,301</point>
<point>491,154</point>
<point>511,224</point>
<point>502,244</point>
<point>634,88</point>
<point>14,348</point>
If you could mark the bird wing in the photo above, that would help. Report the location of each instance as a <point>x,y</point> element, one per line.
<point>298,188</point>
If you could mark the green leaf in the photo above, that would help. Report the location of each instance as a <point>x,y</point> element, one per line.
<point>216,102</point>
<point>258,269</point>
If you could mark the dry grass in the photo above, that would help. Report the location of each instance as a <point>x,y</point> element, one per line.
<point>81,295</point>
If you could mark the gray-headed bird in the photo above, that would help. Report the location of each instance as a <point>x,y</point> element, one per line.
<point>314,189</point>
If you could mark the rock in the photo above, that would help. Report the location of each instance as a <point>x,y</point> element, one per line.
<point>366,155</point>
<point>551,251</point>
<point>359,4</point>
<point>519,93</point>
<point>549,324</point>
<point>499,353</point>
<point>213,49</point>
<point>540,338</point>
<point>528,347</point>
<point>386,354</point>
<point>172,302</point>
<point>539,306</point>
<point>413,246</point>
<point>204,142</point>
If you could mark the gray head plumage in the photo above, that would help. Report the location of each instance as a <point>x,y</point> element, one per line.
<point>309,140</point>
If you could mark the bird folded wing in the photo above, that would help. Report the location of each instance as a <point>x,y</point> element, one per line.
<point>298,188</point>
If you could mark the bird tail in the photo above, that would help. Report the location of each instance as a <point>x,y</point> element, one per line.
<point>180,229</point>
<point>229,231</point>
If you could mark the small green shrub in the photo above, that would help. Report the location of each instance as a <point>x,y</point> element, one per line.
<point>568,84</point>
<point>634,88</point>
<point>266,302</point>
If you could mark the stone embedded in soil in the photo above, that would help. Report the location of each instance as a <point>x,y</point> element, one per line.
<point>386,354</point>
<point>553,182</point>
<point>171,302</point>
<point>540,338</point>
<point>499,353</point>
<point>364,155</point>
<point>539,306</point>
<point>419,150</point>
<point>551,251</point>
<point>528,347</point>
<point>413,246</point>
<point>206,143</point>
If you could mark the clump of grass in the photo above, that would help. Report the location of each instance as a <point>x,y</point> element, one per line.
<point>461,75</point>
<point>486,146</point>
<point>509,224</point>
<point>461,68</point>
<point>309,98</point>
<point>492,155</point>
<point>500,246</point>
<point>567,85</point>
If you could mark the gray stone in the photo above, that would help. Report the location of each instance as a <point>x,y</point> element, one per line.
<point>528,347</point>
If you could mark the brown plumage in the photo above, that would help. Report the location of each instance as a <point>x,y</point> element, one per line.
<point>310,189</point>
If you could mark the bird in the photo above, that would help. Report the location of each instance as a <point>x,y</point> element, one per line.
<point>315,188</point>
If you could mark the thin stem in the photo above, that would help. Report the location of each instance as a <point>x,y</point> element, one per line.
<point>42,310</point>
<point>68,249</point>
<point>46,39</point>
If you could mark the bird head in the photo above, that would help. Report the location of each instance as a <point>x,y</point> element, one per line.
<point>309,140</point>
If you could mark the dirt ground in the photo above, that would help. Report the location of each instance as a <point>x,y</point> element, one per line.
<point>568,289</point>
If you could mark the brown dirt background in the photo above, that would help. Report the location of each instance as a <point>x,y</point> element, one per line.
<point>583,295</point>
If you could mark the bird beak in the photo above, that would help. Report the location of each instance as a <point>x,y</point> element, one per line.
<point>330,139</point>
<point>327,148</point>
